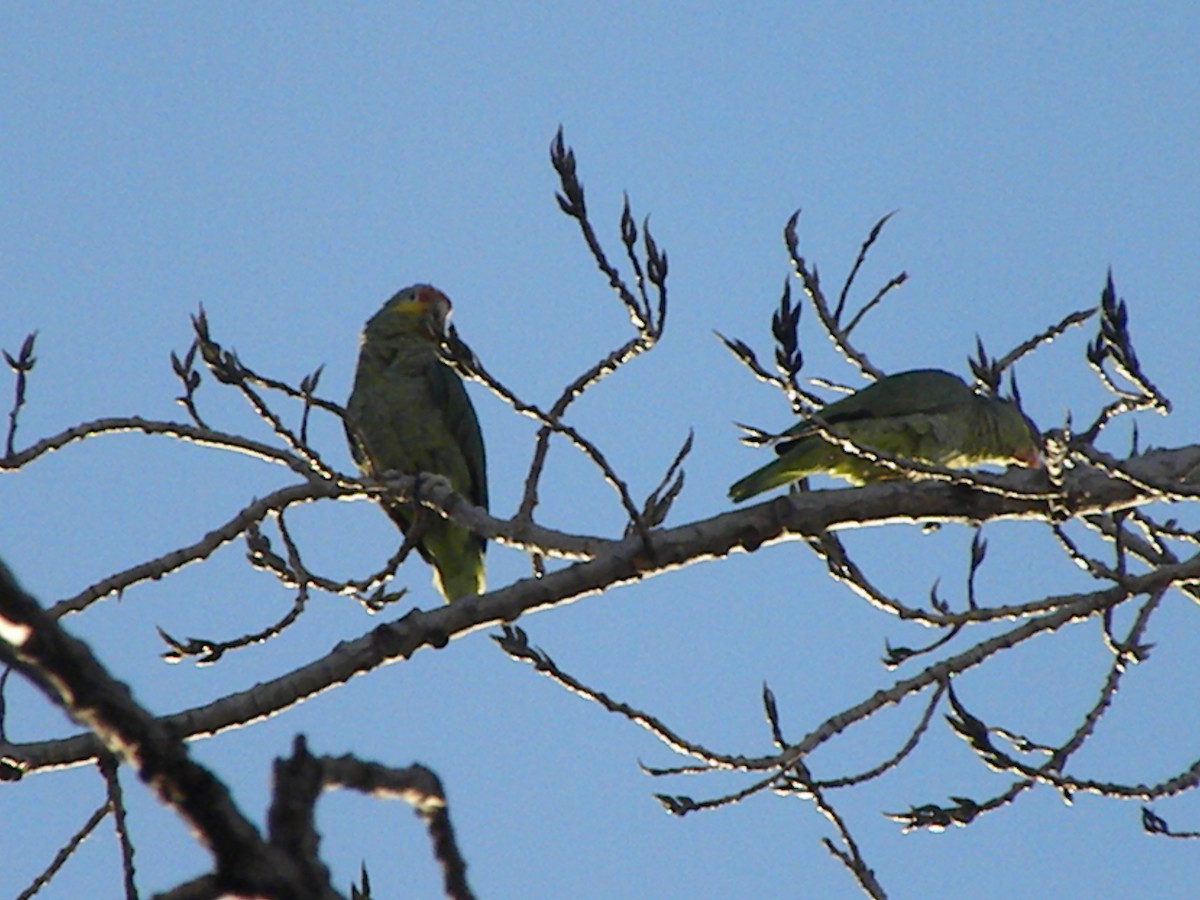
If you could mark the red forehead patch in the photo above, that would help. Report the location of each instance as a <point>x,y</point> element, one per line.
<point>427,294</point>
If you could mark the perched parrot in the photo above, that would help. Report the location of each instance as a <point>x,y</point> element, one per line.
<point>409,413</point>
<point>926,415</point>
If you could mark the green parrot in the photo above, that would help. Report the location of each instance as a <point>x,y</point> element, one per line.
<point>926,415</point>
<point>409,413</point>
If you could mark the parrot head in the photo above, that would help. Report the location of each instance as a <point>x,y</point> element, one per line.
<point>1030,457</point>
<point>420,309</point>
<point>1020,435</point>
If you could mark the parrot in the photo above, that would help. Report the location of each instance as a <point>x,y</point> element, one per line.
<point>409,412</point>
<point>924,414</point>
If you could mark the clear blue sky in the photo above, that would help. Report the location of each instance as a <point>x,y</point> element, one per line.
<point>289,166</point>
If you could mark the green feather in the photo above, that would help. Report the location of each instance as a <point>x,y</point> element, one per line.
<point>926,415</point>
<point>409,412</point>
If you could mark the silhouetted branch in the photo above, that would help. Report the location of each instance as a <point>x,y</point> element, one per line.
<point>419,787</point>
<point>116,802</point>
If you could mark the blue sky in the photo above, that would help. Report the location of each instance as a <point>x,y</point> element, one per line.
<point>291,166</point>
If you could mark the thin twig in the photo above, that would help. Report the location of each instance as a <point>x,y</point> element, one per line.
<point>22,364</point>
<point>65,852</point>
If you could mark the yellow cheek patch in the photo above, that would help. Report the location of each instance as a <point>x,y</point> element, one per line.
<point>409,307</point>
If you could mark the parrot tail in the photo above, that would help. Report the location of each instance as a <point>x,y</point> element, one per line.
<point>463,578</point>
<point>774,474</point>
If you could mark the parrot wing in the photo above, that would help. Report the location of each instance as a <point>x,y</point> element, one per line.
<point>927,391</point>
<point>450,395</point>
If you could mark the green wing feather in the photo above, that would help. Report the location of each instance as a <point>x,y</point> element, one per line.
<point>920,391</point>
<point>450,395</point>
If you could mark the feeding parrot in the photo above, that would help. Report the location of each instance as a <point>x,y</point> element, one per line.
<point>409,412</point>
<point>925,414</point>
